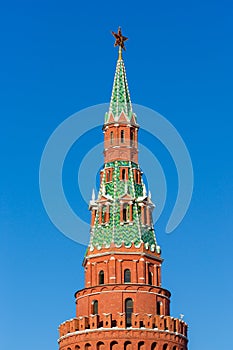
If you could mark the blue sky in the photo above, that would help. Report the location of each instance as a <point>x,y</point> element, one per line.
<point>57,58</point>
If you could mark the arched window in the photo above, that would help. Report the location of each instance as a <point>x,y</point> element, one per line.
<point>153,346</point>
<point>104,214</point>
<point>124,214</point>
<point>128,311</point>
<point>100,345</point>
<point>159,307</point>
<point>127,276</point>
<point>128,345</point>
<point>150,278</point>
<point>165,347</point>
<point>123,174</point>
<point>122,136</point>
<point>101,277</point>
<point>108,175</point>
<point>174,348</point>
<point>77,347</point>
<point>141,345</point>
<point>95,307</point>
<point>87,346</point>
<point>137,176</point>
<point>113,345</point>
<point>111,137</point>
<point>131,137</point>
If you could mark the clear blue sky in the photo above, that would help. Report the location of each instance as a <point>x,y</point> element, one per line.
<point>56,58</point>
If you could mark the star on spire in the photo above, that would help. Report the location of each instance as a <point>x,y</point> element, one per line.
<point>120,39</point>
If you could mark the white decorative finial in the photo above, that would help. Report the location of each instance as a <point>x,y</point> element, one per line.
<point>144,190</point>
<point>126,187</point>
<point>103,190</point>
<point>149,194</point>
<point>93,195</point>
<point>181,316</point>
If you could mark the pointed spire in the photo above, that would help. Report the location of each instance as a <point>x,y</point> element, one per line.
<point>116,190</point>
<point>120,98</point>
<point>93,195</point>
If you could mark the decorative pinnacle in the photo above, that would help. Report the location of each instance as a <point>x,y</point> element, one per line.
<point>93,194</point>
<point>120,39</point>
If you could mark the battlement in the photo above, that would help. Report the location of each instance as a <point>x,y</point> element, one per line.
<point>138,321</point>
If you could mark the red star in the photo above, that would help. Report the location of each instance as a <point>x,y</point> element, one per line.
<point>119,39</point>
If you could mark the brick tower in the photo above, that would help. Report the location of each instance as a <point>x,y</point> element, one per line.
<point>123,305</point>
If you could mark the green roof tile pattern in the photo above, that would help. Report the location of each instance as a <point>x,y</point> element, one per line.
<point>114,231</point>
<point>120,99</point>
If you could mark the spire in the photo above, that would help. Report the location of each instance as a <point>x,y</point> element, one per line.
<point>120,98</point>
<point>121,214</point>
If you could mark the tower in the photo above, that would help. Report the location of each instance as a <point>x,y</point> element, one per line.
<point>123,304</point>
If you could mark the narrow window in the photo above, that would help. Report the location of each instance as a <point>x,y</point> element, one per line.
<point>150,278</point>
<point>113,345</point>
<point>165,347</point>
<point>107,175</point>
<point>153,346</point>
<point>181,328</point>
<point>131,137</point>
<point>124,214</point>
<point>175,330</point>
<point>122,136</point>
<point>104,214</point>
<point>127,345</point>
<point>111,137</point>
<point>127,276</point>
<point>123,174</point>
<point>158,308</point>
<point>100,345</point>
<point>95,307</point>
<point>141,345</point>
<point>101,277</point>
<point>128,311</point>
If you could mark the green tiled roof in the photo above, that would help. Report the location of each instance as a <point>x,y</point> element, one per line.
<point>120,99</point>
<point>103,235</point>
<point>112,193</point>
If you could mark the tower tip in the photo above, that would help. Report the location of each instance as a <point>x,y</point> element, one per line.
<point>120,39</point>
